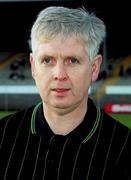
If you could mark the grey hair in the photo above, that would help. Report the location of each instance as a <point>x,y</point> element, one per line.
<point>54,21</point>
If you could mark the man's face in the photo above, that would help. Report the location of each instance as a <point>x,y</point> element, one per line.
<point>63,72</point>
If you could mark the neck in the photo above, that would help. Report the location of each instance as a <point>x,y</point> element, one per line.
<point>64,121</point>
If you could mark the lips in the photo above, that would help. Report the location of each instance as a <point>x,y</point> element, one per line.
<point>59,90</point>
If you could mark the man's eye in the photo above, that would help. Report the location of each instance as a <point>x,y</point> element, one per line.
<point>47,60</point>
<point>73,61</point>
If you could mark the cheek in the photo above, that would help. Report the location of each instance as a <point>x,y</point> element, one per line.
<point>42,79</point>
<point>82,79</point>
<point>85,75</point>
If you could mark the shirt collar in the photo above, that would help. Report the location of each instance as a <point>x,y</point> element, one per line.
<point>83,132</point>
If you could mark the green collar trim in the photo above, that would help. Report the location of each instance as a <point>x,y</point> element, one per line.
<point>33,129</point>
<point>94,127</point>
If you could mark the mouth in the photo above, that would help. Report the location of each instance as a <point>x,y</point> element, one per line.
<point>60,91</point>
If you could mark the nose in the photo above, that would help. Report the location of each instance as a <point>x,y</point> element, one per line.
<point>60,73</point>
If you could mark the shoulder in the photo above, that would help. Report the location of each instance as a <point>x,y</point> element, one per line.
<point>110,120</point>
<point>13,121</point>
<point>121,145</point>
<point>120,140</point>
<point>108,123</point>
<point>120,134</point>
<point>107,120</point>
<point>114,125</point>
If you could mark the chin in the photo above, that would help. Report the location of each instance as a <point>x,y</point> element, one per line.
<point>61,106</point>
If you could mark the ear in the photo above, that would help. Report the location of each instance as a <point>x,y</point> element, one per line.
<point>32,63</point>
<point>96,63</point>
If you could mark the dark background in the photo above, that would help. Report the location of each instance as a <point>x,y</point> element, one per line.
<point>16,19</point>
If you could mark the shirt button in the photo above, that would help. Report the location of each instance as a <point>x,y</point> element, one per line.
<point>50,161</point>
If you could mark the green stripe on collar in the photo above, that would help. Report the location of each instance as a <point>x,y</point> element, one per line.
<point>94,127</point>
<point>33,129</point>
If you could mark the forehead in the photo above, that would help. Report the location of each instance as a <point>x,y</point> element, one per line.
<point>63,45</point>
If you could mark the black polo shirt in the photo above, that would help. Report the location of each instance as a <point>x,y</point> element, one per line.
<point>99,148</point>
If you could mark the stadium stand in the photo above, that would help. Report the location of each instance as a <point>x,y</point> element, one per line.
<point>114,81</point>
<point>16,93</point>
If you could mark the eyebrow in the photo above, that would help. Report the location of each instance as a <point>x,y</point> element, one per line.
<point>44,56</point>
<point>68,56</point>
<point>76,57</point>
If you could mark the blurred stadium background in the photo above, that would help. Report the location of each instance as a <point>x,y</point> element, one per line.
<point>112,90</point>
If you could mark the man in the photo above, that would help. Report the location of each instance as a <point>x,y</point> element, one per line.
<point>64,137</point>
